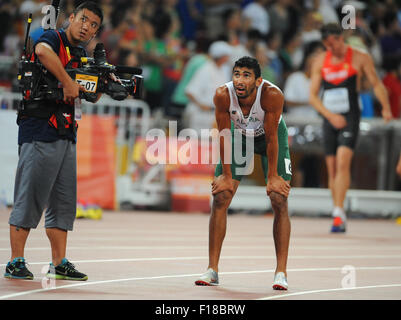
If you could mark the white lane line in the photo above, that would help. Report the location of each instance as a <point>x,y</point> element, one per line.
<point>88,283</point>
<point>370,248</point>
<point>222,258</point>
<point>125,248</point>
<point>329,290</point>
<point>14,295</point>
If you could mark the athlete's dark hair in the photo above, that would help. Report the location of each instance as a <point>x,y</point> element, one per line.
<point>250,63</point>
<point>91,6</point>
<point>331,29</point>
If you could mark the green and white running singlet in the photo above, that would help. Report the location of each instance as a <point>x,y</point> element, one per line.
<point>246,130</point>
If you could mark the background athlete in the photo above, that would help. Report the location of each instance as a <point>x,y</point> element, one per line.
<point>339,71</point>
<point>254,106</point>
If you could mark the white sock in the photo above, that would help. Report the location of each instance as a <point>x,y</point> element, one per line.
<point>339,212</point>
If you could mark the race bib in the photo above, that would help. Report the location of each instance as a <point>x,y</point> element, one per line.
<point>288,167</point>
<point>336,100</point>
<point>87,81</point>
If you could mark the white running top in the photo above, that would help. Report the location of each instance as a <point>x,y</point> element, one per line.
<point>253,125</point>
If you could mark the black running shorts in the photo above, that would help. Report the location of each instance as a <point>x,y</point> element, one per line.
<point>347,136</point>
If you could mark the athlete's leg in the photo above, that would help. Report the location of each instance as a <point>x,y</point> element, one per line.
<point>342,178</point>
<point>330,145</point>
<point>331,173</point>
<point>218,224</point>
<point>281,222</point>
<point>281,230</point>
<point>398,168</point>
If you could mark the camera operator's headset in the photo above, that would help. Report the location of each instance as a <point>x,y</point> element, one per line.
<point>62,116</point>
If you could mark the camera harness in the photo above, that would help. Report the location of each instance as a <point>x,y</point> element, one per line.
<point>59,113</point>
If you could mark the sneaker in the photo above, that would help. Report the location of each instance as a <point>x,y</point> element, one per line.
<point>280,281</point>
<point>65,271</point>
<point>17,269</point>
<point>338,225</point>
<point>209,278</point>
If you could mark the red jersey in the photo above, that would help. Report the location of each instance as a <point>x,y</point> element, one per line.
<point>337,73</point>
<point>339,82</point>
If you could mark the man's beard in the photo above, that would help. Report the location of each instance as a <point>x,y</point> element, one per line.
<point>246,93</point>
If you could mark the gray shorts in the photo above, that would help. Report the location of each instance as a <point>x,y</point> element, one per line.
<point>46,178</point>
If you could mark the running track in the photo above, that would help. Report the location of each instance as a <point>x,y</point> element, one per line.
<point>158,256</point>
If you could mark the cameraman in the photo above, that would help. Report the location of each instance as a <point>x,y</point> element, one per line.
<point>46,173</point>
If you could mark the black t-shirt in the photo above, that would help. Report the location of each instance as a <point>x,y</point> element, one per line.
<point>34,129</point>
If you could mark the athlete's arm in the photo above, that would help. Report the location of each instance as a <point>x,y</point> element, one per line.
<point>379,89</point>
<point>272,101</point>
<point>398,168</point>
<point>337,120</point>
<point>52,63</point>
<point>221,101</point>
